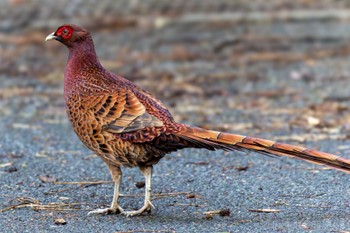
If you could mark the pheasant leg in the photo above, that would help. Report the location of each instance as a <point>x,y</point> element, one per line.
<point>147,172</point>
<point>115,208</point>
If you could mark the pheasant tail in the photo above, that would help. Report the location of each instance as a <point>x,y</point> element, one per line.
<point>219,140</point>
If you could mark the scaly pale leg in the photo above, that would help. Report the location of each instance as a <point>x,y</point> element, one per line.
<point>147,172</point>
<point>115,208</point>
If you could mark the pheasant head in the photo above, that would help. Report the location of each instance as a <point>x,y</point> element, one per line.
<point>70,35</point>
<point>82,58</point>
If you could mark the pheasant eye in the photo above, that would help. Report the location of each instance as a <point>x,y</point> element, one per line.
<point>65,32</point>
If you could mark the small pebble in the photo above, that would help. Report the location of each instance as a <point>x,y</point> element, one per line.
<point>140,184</point>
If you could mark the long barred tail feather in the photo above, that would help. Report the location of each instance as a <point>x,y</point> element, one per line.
<point>219,140</point>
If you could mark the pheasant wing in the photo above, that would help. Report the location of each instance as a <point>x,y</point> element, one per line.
<point>122,112</point>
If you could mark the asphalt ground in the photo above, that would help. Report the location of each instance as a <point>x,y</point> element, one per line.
<point>280,79</point>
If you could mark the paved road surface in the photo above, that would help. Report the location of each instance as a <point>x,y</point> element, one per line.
<point>281,79</point>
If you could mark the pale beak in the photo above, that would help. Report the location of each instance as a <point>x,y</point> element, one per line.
<point>51,37</point>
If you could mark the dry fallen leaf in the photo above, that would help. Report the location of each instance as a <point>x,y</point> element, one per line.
<point>222,212</point>
<point>6,164</point>
<point>242,168</point>
<point>305,227</point>
<point>60,221</point>
<point>47,179</point>
<point>313,121</point>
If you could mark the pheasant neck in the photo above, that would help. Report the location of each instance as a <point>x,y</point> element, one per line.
<point>82,60</point>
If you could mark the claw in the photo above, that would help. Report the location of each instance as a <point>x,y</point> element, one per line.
<point>106,211</point>
<point>147,207</point>
<point>151,205</point>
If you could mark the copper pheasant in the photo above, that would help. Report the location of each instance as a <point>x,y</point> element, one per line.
<point>127,126</point>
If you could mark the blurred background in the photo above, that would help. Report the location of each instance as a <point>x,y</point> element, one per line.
<point>277,69</point>
<point>286,61</point>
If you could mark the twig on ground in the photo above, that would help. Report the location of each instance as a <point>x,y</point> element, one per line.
<point>139,231</point>
<point>36,205</point>
<point>264,210</point>
<point>189,204</point>
<point>84,182</point>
